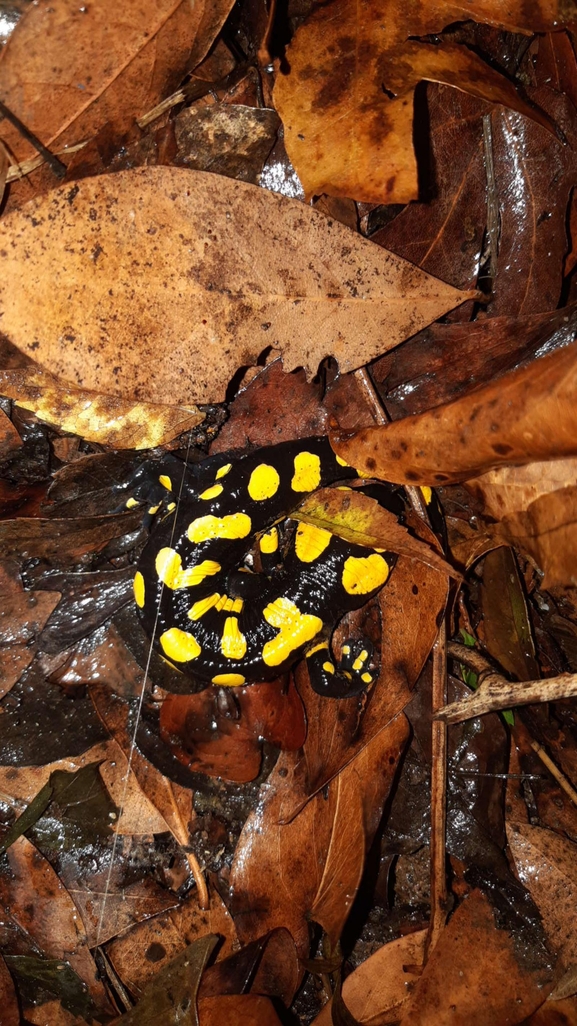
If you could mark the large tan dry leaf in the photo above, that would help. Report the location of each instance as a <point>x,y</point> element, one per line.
<point>347,101</point>
<point>69,68</point>
<point>529,414</point>
<point>160,283</point>
<point>510,490</point>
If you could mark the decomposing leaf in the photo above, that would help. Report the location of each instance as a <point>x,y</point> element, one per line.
<point>68,69</point>
<point>22,617</point>
<point>348,111</point>
<point>226,139</point>
<point>359,519</point>
<point>478,973</point>
<point>171,994</point>
<point>381,984</point>
<point>319,857</point>
<point>63,542</point>
<point>10,1011</point>
<point>526,415</point>
<point>52,921</point>
<point>106,419</point>
<point>508,490</point>
<point>138,954</point>
<point>53,976</point>
<point>506,626</point>
<point>194,275</point>
<point>10,440</point>
<point>244,1009</point>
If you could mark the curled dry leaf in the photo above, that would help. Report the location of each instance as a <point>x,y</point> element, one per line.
<point>359,519</point>
<point>526,415</point>
<point>193,276</point>
<point>68,69</point>
<point>106,419</point>
<point>348,110</point>
<point>510,490</point>
<point>381,984</point>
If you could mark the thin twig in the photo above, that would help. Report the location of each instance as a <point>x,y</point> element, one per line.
<point>56,166</point>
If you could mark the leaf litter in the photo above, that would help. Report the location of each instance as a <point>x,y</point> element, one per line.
<point>281,821</point>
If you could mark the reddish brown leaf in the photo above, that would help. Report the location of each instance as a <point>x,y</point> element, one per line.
<point>529,414</point>
<point>10,1010</point>
<point>195,275</point>
<point>241,1009</point>
<point>284,874</point>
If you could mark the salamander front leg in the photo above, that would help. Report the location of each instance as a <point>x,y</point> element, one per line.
<point>350,676</point>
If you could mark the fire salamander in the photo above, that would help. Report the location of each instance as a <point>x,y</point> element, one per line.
<point>215,619</point>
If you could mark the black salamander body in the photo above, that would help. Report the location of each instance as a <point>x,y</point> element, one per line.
<point>217,621</point>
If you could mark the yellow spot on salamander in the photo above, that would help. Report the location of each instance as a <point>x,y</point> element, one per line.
<point>295,629</point>
<point>366,678</point>
<point>223,471</point>
<point>307,475</point>
<point>264,482</point>
<point>269,542</point>
<point>360,660</point>
<point>328,667</point>
<point>169,569</point>
<point>202,606</point>
<point>138,586</point>
<point>341,462</point>
<point>234,525</point>
<point>427,493</point>
<point>346,650</point>
<point>212,492</point>
<point>179,646</point>
<point>363,574</point>
<point>165,482</point>
<point>131,503</point>
<point>229,605</point>
<point>153,509</point>
<point>233,642</point>
<point>317,648</point>
<point>231,680</point>
<point>311,542</point>
<point>171,506</point>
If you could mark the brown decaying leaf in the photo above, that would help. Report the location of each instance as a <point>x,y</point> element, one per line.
<point>194,275</point>
<point>63,542</point>
<point>225,139</point>
<point>10,440</point>
<point>546,864</point>
<point>526,415</point>
<point>68,69</point>
<point>348,112</point>
<point>10,1010</point>
<point>242,1009</point>
<point>22,617</point>
<point>141,952</point>
<point>51,920</point>
<point>510,490</point>
<point>411,605</point>
<point>475,974</point>
<point>105,419</point>
<point>377,990</point>
<point>284,875</point>
<point>362,521</point>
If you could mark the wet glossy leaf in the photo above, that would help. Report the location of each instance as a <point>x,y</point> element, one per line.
<point>55,976</point>
<point>171,995</point>
<point>194,276</point>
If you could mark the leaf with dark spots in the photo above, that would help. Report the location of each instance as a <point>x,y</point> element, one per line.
<point>349,128</point>
<point>532,411</point>
<point>171,994</point>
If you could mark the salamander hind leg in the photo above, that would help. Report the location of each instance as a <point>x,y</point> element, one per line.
<point>350,676</point>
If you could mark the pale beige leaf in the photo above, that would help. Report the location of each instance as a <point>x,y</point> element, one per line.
<point>159,283</point>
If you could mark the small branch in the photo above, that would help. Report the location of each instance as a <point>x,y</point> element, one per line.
<point>496,693</point>
<point>438,796</point>
<point>56,166</point>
